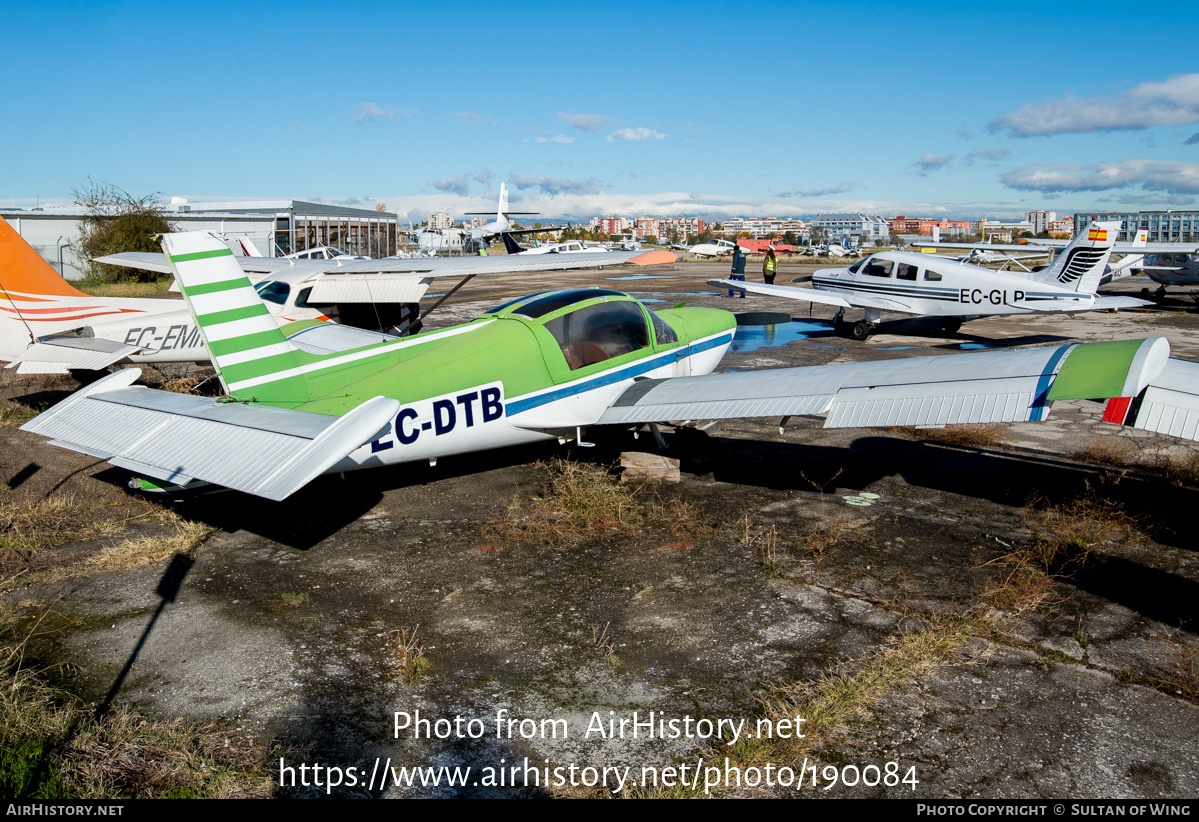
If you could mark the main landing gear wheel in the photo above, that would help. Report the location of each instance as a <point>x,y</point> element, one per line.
<point>952,324</point>
<point>861,330</point>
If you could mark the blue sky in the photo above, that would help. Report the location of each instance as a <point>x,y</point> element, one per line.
<point>670,108</point>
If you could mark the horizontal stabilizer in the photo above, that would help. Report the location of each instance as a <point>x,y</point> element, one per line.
<point>1108,303</point>
<point>145,260</point>
<point>1170,404</point>
<point>271,452</point>
<point>60,355</point>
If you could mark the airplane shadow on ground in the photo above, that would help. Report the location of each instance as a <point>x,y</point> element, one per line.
<point>1012,479</point>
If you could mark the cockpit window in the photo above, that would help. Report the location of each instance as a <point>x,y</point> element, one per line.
<point>856,267</point>
<point>879,268</point>
<point>511,303</point>
<point>663,333</point>
<point>599,332</point>
<point>273,292</point>
<point>552,302</point>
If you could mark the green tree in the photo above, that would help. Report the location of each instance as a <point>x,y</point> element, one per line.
<point>116,222</point>
<point>789,238</point>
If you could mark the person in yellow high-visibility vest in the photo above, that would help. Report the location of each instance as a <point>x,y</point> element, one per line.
<point>770,266</point>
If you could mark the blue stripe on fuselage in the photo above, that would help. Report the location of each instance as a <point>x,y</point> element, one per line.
<point>609,377</point>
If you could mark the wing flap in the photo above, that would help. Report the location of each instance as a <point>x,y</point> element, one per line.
<point>363,288</point>
<point>271,452</point>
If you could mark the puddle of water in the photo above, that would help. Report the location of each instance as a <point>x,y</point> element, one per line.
<point>898,348</point>
<point>974,346</point>
<point>638,277</point>
<point>752,337</point>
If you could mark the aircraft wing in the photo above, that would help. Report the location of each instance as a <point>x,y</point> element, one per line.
<point>1109,303</point>
<point>814,296</point>
<point>271,452</point>
<point>1042,246</point>
<point>422,266</point>
<point>991,386</point>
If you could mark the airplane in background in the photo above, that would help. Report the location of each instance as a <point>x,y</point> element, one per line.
<point>482,235</point>
<point>713,248</point>
<point>927,285</point>
<point>540,367</point>
<point>47,326</point>
<point>565,247</point>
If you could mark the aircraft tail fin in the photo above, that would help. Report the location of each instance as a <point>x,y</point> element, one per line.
<point>510,244</point>
<point>502,211</point>
<point>247,247</point>
<point>1081,264</point>
<point>23,270</point>
<point>250,351</point>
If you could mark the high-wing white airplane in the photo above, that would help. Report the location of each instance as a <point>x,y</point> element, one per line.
<point>927,285</point>
<point>541,367</point>
<point>47,326</point>
<point>713,248</point>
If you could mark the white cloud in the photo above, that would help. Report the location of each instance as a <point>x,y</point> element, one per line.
<point>554,138</point>
<point>470,118</point>
<point>553,187</point>
<point>994,154</point>
<point>299,127</point>
<point>817,192</point>
<point>929,163</point>
<point>586,122</point>
<point>369,112</point>
<point>1172,102</point>
<point>641,133</point>
<point>457,184</point>
<point>1167,176</point>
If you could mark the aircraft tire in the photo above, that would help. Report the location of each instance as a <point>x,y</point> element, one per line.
<point>952,324</point>
<point>860,330</point>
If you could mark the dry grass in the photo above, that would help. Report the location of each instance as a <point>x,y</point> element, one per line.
<point>1177,464</point>
<point>31,530</point>
<point>977,435</point>
<point>579,502</point>
<point>410,660</point>
<point>1062,538</point>
<point>52,747</point>
<point>849,691</point>
<point>16,413</point>
<point>183,385</point>
<point>153,288</point>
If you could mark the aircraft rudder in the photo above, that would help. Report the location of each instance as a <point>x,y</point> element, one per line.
<point>25,271</point>
<point>250,351</point>
<point>1081,264</point>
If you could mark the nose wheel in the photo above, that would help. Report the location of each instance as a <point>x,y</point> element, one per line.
<point>952,324</point>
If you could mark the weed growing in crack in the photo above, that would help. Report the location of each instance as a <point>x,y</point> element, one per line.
<point>410,657</point>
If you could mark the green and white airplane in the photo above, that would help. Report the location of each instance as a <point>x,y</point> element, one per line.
<point>331,398</point>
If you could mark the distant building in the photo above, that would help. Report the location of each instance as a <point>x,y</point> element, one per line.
<point>1168,226</point>
<point>1040,220</point>
<point>760,227</point>
<point>861,227</point>
<point>440,219</point>
<point>275,227</point>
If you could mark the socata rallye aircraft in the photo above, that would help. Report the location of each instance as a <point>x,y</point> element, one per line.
<point>330,398</point>
<point>912,283</point>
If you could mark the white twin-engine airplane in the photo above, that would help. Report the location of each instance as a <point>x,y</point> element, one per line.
<point>47,326</point>
<point>912,283</point>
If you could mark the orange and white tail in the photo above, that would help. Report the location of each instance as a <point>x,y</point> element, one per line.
<point>23,271</point>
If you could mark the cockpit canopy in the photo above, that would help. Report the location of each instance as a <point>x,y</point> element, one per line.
<point>591,325</point>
